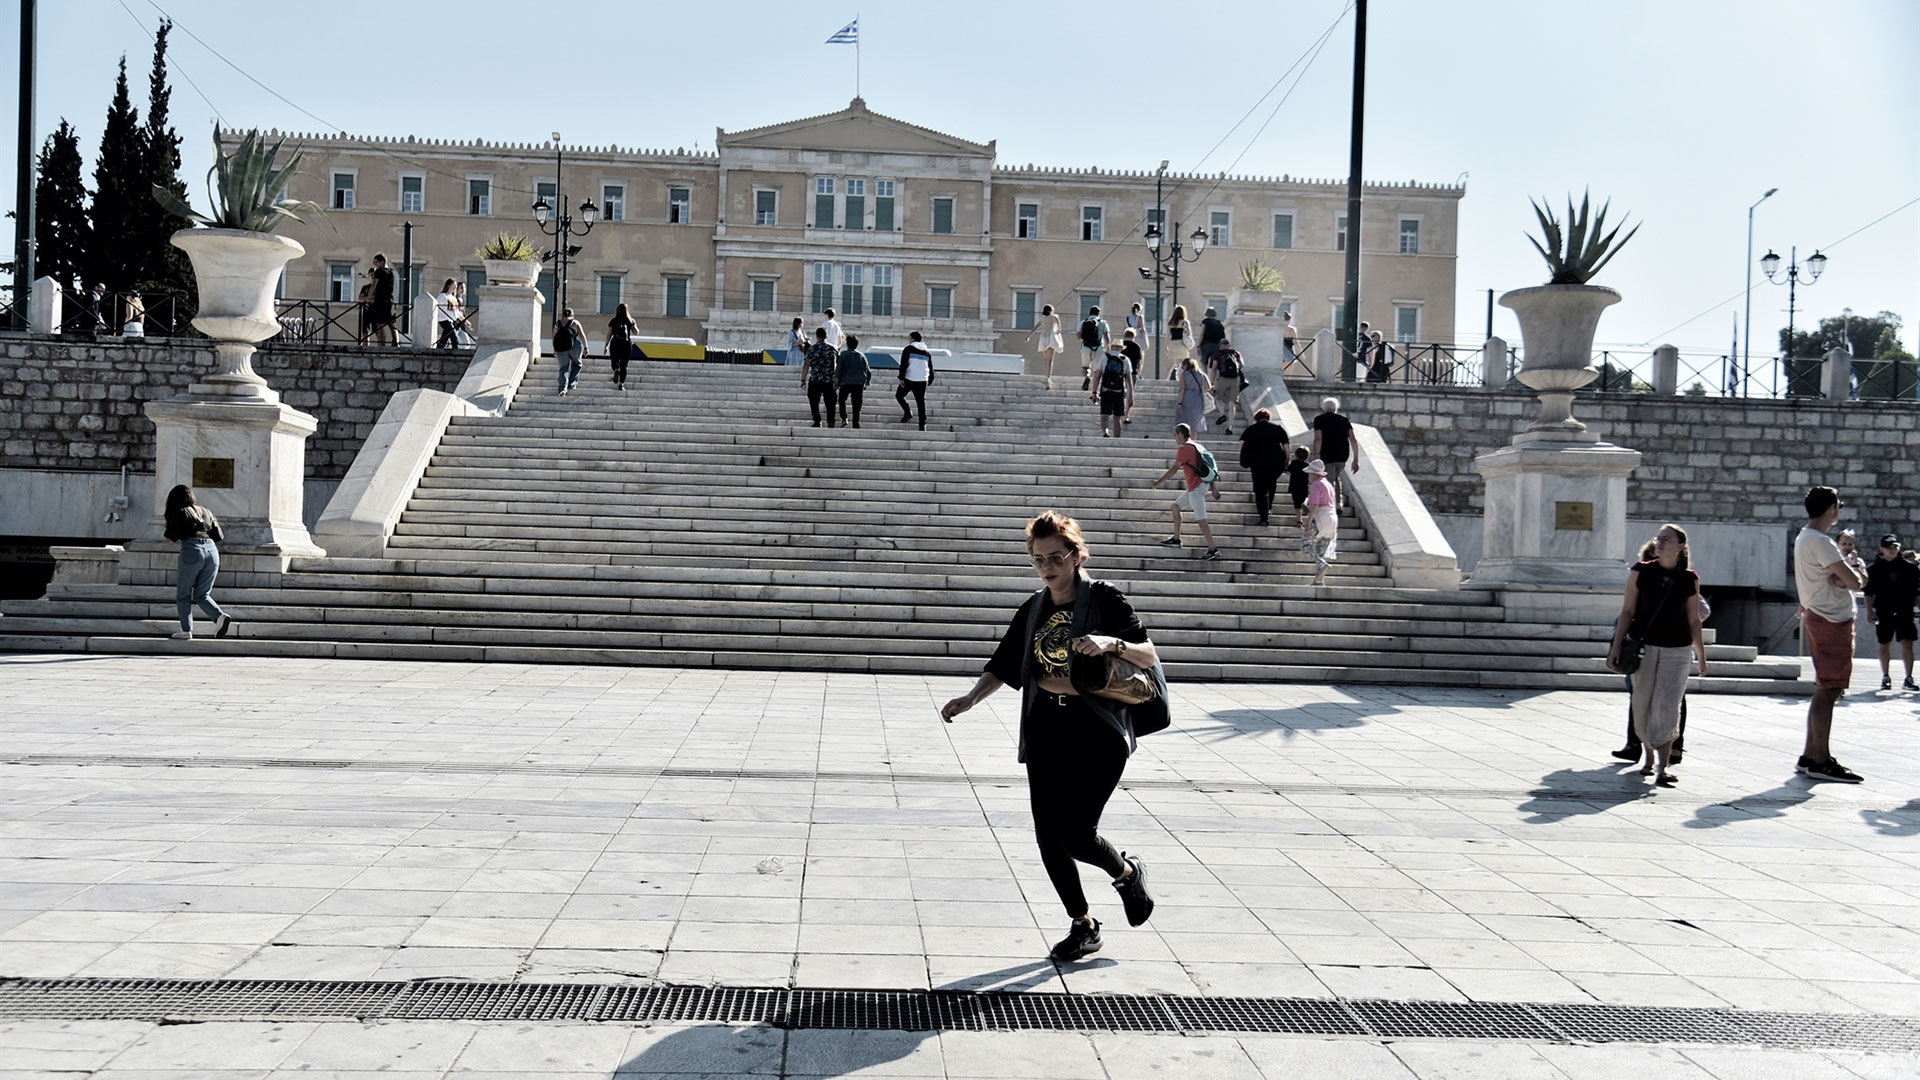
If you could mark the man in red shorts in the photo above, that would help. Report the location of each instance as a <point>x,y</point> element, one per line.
<point>1827,583</point>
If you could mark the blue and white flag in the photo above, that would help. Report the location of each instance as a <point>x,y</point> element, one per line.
<point>848,35</point>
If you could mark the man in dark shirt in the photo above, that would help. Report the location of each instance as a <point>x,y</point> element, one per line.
<point>380,309</point>
<point>1212,333</point>
<point>1264,450</point>
<point>1334,444</point>
<point>1893,583</point>
<point>817,375</point>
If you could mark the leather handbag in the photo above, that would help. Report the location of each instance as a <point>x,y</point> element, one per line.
<point>1125,682</point>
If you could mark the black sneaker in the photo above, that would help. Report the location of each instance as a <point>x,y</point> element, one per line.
<point>1083,939</point>
<point>1833,770</point>
<point>1886,682</point>
<point>1628,753</point>
<point>1910,684</point>
<point>1171,541</point>
<point>1803,765</point>
<point>225,624</point>
<point>1133,892</point>
<point>1212,554</point>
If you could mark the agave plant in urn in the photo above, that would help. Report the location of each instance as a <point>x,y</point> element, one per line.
<point>1558,319</point>
<point>237,257</point>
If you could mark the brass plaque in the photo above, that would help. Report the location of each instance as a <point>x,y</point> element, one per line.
<point>1573,516</point>
<point>213,472</point>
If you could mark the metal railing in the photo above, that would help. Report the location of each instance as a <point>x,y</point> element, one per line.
<point>1407,363</point>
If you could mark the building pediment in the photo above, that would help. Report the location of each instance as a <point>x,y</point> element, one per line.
<point>856,128</point>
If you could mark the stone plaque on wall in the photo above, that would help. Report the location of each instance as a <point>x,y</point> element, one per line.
<point>1573,516</point>
<point>213,472</point>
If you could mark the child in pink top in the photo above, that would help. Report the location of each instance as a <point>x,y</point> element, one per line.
<point>1323,520</point>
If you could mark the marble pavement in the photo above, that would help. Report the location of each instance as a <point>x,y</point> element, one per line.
<point>201,817</point>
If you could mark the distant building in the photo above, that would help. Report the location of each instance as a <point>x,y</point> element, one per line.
<point>896,226</point>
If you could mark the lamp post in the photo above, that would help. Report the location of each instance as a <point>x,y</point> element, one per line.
<point>1816,265</point>
<point>557,222</point>
<point>1746,332</point>
<point>1168,265</point>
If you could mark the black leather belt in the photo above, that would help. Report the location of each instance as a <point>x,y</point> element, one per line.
<point>1061,700</point>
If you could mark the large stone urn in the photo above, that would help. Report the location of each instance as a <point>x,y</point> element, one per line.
<point>1252,302</point>
<point>236,271</point>
<point>511,271</point>
<point>1557,323</point>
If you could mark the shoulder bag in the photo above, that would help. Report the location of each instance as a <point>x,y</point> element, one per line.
<point>1632,648</point>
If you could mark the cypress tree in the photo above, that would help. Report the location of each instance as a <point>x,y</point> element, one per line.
<point>120,194</point>
<point>166,270</point>
<point>60,210</point>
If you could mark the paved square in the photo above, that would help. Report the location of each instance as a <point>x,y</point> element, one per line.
<point>187,817</point>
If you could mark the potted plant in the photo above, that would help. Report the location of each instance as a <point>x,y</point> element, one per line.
<point>1259,290</point>
<point>1558,319</point>
<point>510,259</point>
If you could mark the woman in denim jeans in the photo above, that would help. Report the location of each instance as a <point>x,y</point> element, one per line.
<point>197,530</point>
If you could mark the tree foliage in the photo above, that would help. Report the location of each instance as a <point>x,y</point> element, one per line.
<point>1861,335</point>
<point>120,196</point>
<point>166,268</point>
<point>62,232</point>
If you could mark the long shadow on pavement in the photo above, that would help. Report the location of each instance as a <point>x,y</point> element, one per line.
<point>1764,804</point>
<point>1899,821</point>
<point>1563,793</point>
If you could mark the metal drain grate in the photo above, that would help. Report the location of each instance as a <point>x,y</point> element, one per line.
<point>937,1010</point>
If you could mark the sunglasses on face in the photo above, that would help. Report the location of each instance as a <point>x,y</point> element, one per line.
<point>1050,562</point>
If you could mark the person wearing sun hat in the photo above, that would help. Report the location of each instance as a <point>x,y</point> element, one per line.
<point>1323,520</point>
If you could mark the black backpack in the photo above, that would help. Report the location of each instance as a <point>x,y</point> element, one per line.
<point>1090,333</point>
<point>1113,376</point>
<point>563,338</point>
<point>1228,361</point>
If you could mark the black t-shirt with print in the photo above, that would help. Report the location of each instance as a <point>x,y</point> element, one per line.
<point>1112,616</point>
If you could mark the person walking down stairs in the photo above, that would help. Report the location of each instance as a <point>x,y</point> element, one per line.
<point>1196,466</point>
<point>569,345</point>
<point>823,366</point>
<point>1323,520</point>
<point>853,375</point>
<point>916,374</point>
<point>620,333</point>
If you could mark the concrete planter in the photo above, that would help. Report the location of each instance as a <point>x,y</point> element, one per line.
<point>1249,302</point>
<point>1557,323</point>
<point>235,272</point>
<point>511,271</point>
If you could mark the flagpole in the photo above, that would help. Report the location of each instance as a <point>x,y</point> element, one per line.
<point>856,55</point>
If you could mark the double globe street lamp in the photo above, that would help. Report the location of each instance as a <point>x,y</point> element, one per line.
<point>1796,274</point>
<point>1166,264</point>
<point>558,223</point>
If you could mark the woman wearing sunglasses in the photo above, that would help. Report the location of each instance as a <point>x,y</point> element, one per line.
<point>1074,743</point>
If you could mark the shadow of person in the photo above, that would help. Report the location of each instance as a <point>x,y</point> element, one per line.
<point>1899,821</point>
<point>1567,793</point>
<point>1313,716</point>
<point>1021,976</point>
<point>1764,804</point>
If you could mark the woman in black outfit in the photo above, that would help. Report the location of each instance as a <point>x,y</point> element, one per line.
<point>1075,744</point>
<point>621,331</point>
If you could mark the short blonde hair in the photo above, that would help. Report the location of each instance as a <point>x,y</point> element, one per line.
<point>1052,523</point>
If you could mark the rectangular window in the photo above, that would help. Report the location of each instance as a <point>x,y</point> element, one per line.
<point>677,297</point>
<point>883,290</point>
<point>1156,219</point>
<point>940,302</point>
<point>766,207</point>
<point>476,280</point>
<point>549,192</point>
<point>883,206</point>
<point>413,194</point>
<point>943,215</point>
<point>342,191</point>
<point>1025,310</point>
<point>340,281</point>
<point>1409,236</point>
<point>679,206</point>
<point>609,293</point>
<point>762,295</point>
<point>1406,323</point>
<point>1151,306</point>
<point>1283,231</point>
<point>613,202</point>
<point>1339,315</point>
<point>1220,228</point>
<point>1340,233</point>
<point>480,197</point>
<point>1089,301</point>
<point>1026,223</point>
<point>822,286</point>
<point>545,285</point>
<point>823,203</point>
<point>855,211</point>
<point>851,282</point>
<point>1090,222</point>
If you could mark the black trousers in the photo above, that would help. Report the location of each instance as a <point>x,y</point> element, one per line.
<point>1265,483</point>
<point>1633,739</point>
<point>818,392</point>
<point>447,338</point>
<point>852,394</point>
<point>618,356</point>
<point>1074,762</point>
<point>919,392</point>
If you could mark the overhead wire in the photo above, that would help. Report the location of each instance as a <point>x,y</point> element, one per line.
<point>173,63</point>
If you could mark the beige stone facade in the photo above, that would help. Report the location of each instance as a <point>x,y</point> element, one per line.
<point>896,226</point>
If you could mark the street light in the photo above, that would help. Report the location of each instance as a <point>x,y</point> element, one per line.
<point>1815,265</point>
<point>558,223</point>
<point>1746,357</point>
<point>1166,265</point>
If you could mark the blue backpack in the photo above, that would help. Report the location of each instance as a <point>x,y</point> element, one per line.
<point>1209,469</point>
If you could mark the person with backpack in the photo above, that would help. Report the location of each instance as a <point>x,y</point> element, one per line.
<point>569,345</point>
<point>1090,683</point>
<point>1115,393</point>
<point>853,374</point>
<point>1191,406</point>
<point>620,334</point>
<point>822,367</point>
<point>1094,338</point>
<point>1130,345</point>
<point>1263,453</point>
<point>1195,463</point>
<point>1229,379</point>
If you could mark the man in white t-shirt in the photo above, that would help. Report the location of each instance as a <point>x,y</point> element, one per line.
<point>836,337</point>
<point>1826,581</point>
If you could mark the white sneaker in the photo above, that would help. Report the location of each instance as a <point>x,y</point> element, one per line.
<point>181,635</point>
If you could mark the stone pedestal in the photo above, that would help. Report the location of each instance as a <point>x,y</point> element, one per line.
<point>43,307</point>
<point>1556,511</point>
<point>1493,364</point>
<point>1326,357</point>
<point>509,315</point>
<point>1666,371</point>
<point>1836,375</point>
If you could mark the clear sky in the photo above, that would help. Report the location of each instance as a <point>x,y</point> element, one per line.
<point>1681,111</point>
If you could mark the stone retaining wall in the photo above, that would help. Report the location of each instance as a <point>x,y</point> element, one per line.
<point>77,404</point>
<point>1706,459</point>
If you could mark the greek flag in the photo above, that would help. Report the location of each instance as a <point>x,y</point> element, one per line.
<point>848,35</point>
